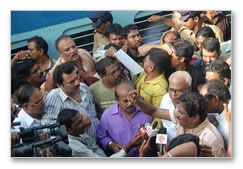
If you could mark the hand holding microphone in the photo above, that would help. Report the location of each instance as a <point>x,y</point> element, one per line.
<point>161,138</point>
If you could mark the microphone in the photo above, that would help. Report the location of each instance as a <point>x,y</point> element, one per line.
<point>152,130</point>
<point>147,130</point>
<point>161,138</point>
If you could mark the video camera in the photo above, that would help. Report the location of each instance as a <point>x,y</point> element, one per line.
<point>31,145</point>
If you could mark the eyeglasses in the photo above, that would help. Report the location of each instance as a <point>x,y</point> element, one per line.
<point>176,91</point>
<point>38,103</point>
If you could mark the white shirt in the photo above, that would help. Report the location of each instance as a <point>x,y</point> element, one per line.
<point>166,103</point>
<point>26,120</point>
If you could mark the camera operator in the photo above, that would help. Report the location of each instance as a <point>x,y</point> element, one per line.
<point>81,143</point>
<point>32,102</point>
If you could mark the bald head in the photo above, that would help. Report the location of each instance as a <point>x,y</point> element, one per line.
<point>123,88</point>
<point>181,77</point>
<point>121,92</point>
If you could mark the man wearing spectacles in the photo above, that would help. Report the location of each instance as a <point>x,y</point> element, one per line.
<point>32,102</point>
<point>179,83</point>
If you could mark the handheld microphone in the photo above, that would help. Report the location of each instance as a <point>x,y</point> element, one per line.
<point>161,139</point>
<point>152,130</point>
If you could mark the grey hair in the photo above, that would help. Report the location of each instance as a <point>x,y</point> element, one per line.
<point>185,74</point>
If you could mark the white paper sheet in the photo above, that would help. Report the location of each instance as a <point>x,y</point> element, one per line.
<point>128,62</point>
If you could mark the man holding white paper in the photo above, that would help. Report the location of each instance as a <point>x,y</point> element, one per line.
<point>133,40</point>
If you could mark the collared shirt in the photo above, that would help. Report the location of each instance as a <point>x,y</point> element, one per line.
<point>166,103</point>
<point>56,100</point>
<point>207,133</point>
<point>115,127</point>
<point>26,120</point>
<point>85,146</point>
<point>152,91</point>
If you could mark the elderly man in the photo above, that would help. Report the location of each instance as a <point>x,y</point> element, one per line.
<point>179,83</point>
<point>120,122</point>
<point>70,94</point>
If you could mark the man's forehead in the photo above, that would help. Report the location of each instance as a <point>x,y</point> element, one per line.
<point>65,41</point>
<point>133,32</point>
<point>177,81</point>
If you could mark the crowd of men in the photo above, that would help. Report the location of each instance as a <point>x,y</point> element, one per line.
<point>185,88</point>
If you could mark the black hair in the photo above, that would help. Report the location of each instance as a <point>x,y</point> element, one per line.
<point>65,68</point>
<point>24,66</point>
<point>113,29</point>
<point>206,32</point>
<point>40,43</point>
<point>175,33</point>
<point>61,38</point>
<point>195,14</point>
<point>194,103</point>
<point>65,117</point>
<point>221,68</point>
<point>211,44</point>
<point>111,45</point>
<point>24,93</point>
<point>161,60</point>
<point>183,48</point>
<point>127,29</point>
<point>127,82</point>
<point>16,82</point>
<point>218,88</point>
<point>102,64</point>
<point>185,138</point>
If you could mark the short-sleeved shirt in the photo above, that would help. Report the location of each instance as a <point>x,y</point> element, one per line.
<point>103,97</point>
<point>115,127</point>
<point>207,133</point>
<point>153,90</point>
<point>56,100</point>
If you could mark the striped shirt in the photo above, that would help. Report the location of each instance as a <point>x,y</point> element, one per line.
<point>56,100</point>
